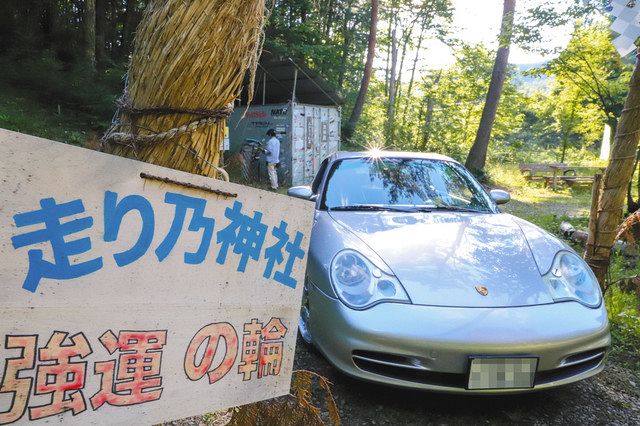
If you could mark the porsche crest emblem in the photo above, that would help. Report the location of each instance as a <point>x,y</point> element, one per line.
<point>482,290</point>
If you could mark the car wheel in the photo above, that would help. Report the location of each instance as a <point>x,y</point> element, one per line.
<point>303,321</point>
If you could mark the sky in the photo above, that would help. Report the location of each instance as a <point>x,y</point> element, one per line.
<point>478,21</point>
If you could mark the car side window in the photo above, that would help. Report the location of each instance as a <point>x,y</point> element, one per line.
<point>315,185</point>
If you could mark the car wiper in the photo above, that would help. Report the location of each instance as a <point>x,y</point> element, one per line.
<point>371,207</point>
<point>448,208</point>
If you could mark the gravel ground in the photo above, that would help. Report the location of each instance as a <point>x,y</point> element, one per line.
<point>611,398</point>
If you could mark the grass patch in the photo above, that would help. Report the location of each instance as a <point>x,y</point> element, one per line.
<point>536,203</point>
<point>21,113</point>
<point>42,96</point>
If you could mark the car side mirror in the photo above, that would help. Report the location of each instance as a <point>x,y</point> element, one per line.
<point>303,192</point>
<point>500,196</point>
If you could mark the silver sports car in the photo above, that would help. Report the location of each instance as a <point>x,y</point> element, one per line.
<point>416,279</point>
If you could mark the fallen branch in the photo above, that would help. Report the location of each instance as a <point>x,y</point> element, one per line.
<point>581,237</point>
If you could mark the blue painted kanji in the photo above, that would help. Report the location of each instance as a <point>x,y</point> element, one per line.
<point>198,221</point>
<point>115,211</point>
<point>246,235</point>
<point>274,254</point>
<point>295,252</point>
<point>55,232</point>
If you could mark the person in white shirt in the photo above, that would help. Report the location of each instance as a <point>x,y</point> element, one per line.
<point>273,157</point>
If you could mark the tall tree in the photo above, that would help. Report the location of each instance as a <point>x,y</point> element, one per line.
<point>478,154</point>
<point>100,30</point>
<point>129,23</point>
<point>89,23</point>
<point>426,133</point>
<point>605,221</point>
<point>392,84</point>
<point>366,76</point>
<point>589,70</point>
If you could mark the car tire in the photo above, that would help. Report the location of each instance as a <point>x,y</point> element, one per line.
<point>303,321</point>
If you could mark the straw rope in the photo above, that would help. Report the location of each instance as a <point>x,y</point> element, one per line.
<point>187,68</point>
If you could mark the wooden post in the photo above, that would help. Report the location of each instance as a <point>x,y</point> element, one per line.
<point>595,197</point>
<point>615,180</point>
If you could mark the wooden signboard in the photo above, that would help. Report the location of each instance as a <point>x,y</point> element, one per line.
<point>131,293</point>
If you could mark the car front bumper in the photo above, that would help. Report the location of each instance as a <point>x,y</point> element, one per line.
<point>428,347</point>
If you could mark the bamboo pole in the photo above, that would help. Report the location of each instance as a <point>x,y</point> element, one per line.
<point>617,176</point>
<point>188,65</point>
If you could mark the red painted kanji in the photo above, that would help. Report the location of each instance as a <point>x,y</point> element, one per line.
<point>214,335</point>
<point>271,348</point>
<point>250,349</point>
<point>60,377</point>
<point>137,379</point>
<point>19,387</point>
<point>262,348</point>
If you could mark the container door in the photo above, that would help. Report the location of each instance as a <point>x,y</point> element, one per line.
<point>333,144</point>
<point>298,145</point>
<point>310,142</point>
<point>324,134</point>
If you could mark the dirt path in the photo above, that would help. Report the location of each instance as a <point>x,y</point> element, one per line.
<point>613,398</point>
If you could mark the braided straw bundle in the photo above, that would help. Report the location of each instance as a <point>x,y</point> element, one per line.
<point>188,65</point>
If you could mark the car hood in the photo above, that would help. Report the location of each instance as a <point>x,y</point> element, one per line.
<point>441,257</point>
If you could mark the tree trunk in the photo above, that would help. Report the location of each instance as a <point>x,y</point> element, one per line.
<point>638,181</point>
<point>51,23</point>
<point>101,23</point>
<point>632,206</point>
<point>413,72</point>
<point>616,177</point>
<point>426,135</point>
<point>347,34</point>
<point>366,76</point>
<point>392,86</point>
<point>129,23</point>
<point>89,23</point>
<point>329,21</point>
<point>478,153</point>
<point>407,37</point>
<point>388,61</point>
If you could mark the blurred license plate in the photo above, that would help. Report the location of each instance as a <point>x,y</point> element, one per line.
<point>502,373</point>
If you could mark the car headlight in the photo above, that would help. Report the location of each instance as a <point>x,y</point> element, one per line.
<point>570,278</point>
<point>360,284</point>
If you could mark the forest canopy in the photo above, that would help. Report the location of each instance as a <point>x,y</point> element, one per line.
<point>72,55</point>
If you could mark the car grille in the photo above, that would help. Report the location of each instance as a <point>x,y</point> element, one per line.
<point>405,368</point>
<point>572,366</point>
<point>411,370</point>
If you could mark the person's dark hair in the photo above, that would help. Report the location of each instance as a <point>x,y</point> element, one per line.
<point>271,132</point>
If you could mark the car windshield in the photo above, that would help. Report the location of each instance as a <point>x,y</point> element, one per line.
<point>402,184</point>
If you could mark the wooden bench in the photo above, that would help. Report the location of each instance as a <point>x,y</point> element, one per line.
<point>576,180</point>
<point>536,172</point>
<point>552,173</point>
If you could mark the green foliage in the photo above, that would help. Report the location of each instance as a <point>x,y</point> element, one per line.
<point>77,86</point>
<point>45,97</point>
<point>588,73</point>
<point>457,95</point>
<point>330,35</point>
<point>562,123</point>
<point>370,129</point>
<point>623,306</point>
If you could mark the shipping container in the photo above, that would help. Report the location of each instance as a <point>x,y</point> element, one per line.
<point>307,133</point>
